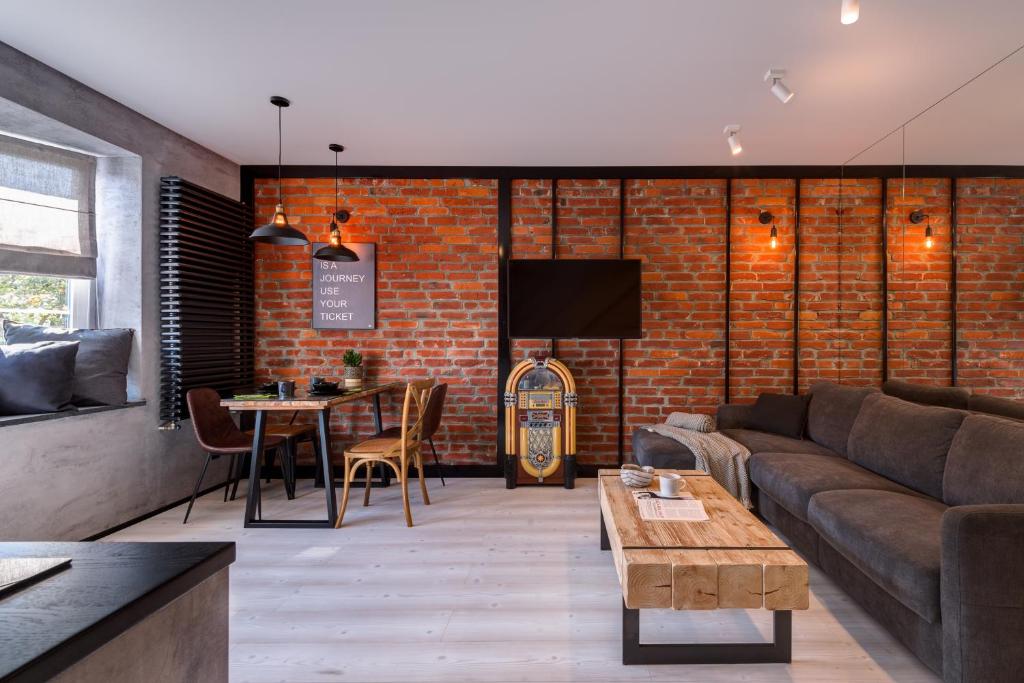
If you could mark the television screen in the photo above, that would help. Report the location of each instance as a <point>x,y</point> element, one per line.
<point>574,298</point>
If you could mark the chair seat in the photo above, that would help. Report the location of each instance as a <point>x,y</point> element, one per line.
<point>241,443</point>
<point>292,431</point>
<point>373,447</point>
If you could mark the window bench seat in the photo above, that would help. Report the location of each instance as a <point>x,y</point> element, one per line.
<point>11,420</point>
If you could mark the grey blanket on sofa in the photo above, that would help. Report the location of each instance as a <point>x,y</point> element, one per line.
<point>718,455</point>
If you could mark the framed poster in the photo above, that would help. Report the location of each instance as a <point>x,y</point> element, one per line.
<point>345,293</point>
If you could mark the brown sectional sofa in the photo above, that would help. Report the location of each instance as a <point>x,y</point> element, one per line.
<point>917,511</point>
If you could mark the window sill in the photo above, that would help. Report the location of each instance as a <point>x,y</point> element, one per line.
<point>11,420</point>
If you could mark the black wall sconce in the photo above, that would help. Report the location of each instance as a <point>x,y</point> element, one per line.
<point>918,216</point>
<point>764,218</point>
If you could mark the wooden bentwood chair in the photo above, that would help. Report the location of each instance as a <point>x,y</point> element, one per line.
<point>395,452</point>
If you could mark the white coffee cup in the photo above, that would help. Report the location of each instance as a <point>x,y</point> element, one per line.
<point>670,484</point>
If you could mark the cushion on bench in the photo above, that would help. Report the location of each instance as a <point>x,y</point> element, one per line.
<point>790,479</point>
<point>904,441</point>
<point>895,539</point>
<point>985,464</point>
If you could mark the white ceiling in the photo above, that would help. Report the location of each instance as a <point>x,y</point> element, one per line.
<point>549,82</point>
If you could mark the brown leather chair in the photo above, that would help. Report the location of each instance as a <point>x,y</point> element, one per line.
<point>218,435</point>
<point>431,422</point>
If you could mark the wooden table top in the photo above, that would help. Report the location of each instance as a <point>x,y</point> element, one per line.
<point>302,401</point>
<point>729,526</point>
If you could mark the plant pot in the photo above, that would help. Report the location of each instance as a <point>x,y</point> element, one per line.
<point>353,376</point>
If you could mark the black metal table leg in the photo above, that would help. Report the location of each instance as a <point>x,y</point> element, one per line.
<point>324,429</point>
<point>252,497</point>
<point>779,651</point>
<point>605,543</point>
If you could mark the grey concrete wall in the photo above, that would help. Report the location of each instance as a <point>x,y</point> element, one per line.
<point>70,478</point>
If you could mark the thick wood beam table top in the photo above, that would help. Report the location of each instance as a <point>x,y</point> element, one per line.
<point>730,561</point>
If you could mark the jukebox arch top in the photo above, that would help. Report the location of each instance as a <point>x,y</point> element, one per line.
<point>540,422</point>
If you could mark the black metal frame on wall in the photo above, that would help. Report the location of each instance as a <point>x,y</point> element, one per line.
<point>207,295</point>
<point>504,175</point>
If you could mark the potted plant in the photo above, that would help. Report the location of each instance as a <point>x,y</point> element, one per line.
<point>353,361</point>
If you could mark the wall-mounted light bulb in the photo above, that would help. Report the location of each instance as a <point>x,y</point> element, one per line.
<point>928,241</point>
<point>850,11</point>
<point>732,134</point>
<point>774,238</point>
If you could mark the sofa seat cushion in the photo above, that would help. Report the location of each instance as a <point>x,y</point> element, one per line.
<point>659,451</point>
<point>894,538</point>
<point>790,479</point>
<point>765,442</point>
<point>904,441</point>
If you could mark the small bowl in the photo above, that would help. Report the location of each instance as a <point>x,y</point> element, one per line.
<point>324,387</point>
<point>636,477</point>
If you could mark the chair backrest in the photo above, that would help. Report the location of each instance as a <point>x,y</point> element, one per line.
<point>212,422</point>
<point>433,410</point>
<point>415,392</point>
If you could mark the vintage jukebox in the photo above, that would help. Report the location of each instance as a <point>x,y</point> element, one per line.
<point>540,424</point>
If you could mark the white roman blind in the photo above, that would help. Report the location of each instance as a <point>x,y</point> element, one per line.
<point>47,224</point>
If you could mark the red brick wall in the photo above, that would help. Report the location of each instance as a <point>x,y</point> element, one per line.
<point>990,281</point>
<point>920,327</point>
<point>437,269</point>
<point>761,303</point>
<point>437,292</point>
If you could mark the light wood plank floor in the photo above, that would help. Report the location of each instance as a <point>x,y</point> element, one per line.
<point>491,585</point>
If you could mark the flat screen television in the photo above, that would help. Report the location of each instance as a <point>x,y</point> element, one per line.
<point>574,299</point>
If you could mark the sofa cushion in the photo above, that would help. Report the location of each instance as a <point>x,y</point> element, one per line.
<point>926,394</point>
<point>985,464</point>
<point>101,369</point>
<point>783,414</point>
<point>790,479</point>
<point>659,451</point>
<point>762,442</point>
<point>894,538</point>
<point>994,405</point>
<point>36,378</point>
<point>904,441</point>
<point>831,413</point>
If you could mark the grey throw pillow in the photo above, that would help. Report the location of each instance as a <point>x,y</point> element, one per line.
<point>101,371</point>
<point>36,378</point>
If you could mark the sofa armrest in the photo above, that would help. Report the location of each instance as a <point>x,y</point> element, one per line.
<point>982,592</point>
<point>732,415</point>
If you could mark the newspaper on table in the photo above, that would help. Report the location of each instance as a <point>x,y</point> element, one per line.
<point>654,508</point>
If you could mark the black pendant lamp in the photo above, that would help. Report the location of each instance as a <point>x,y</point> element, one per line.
<point>278,231</point>
<point>335,250</point>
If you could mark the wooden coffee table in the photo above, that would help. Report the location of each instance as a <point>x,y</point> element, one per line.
<point>730,561</point>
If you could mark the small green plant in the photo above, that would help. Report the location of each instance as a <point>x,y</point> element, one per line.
<point>352,359</point>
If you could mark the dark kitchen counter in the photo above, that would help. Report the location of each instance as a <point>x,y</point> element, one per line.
<point>109,588</point>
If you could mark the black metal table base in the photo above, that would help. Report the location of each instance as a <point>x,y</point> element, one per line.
<point>779,651</point>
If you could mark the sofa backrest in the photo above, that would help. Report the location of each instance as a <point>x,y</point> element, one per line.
<point>904,441</point>
<point>950,397</point>
<point>832,412</point>
<point>985,463</point>
<point>993,405</point>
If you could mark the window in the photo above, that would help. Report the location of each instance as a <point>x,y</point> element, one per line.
<point>44,300</point>
<point>47,234</point>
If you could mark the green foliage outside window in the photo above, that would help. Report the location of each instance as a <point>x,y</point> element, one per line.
<point>34,299</point>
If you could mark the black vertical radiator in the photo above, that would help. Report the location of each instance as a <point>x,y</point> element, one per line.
<point>207,295</point>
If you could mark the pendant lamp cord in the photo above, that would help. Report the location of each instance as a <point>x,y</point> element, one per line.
<point>280,191</point>
<point>335,186</point>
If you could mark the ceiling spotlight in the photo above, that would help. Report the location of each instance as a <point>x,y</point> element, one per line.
<point>850,12</point>
<point>732,133</point>
<point>779,89</point>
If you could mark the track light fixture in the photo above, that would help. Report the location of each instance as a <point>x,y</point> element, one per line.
<point>335,250</point>
<point>779,89</point>
<point>764,218</point>
<point>850,11</point>
<point>918,216</point>
<point>732,133</point>
<point>279,231</point>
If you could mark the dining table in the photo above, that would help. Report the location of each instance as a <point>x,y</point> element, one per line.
<point>303,401</point>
